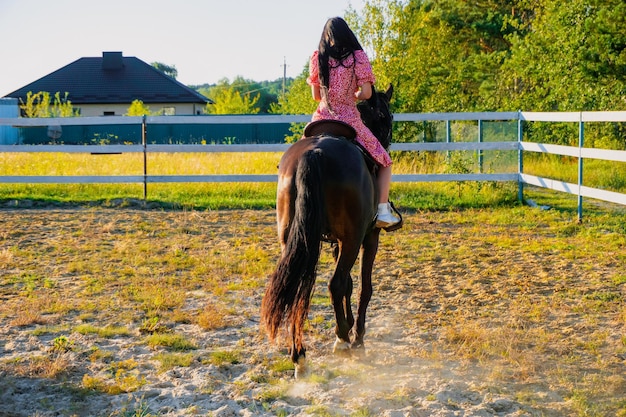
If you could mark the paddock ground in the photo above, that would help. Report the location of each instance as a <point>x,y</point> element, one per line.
<point>122,311</point>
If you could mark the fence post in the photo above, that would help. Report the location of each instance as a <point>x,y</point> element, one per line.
<point>520,158</point>
<point>448,138</point>
<point>581,141</point>
<point>480,151</point>
<point>144,142</point>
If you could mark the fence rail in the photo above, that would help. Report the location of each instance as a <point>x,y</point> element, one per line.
<point>520,146</point>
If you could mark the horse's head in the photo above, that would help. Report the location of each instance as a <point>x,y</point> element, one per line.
<point>377,116</point>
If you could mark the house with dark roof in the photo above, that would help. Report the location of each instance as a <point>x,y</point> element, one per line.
<point>107,85</point>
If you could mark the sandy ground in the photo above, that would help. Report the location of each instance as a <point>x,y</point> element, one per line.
<point>402,371</point>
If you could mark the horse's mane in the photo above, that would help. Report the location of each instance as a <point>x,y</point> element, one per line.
<point>376,115</point>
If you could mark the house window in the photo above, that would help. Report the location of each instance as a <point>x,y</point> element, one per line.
<point>109,113</point>
<point>168,111</point>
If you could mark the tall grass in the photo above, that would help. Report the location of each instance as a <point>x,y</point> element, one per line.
<point>200,195</point>
<point>414,196</point>
<point>599,174</point>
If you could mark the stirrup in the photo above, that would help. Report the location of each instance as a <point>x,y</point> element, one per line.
<point>395,226</point>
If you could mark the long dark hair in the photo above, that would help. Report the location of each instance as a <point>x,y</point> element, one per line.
<point>338,42</point>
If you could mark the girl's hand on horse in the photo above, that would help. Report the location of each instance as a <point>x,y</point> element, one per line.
<point>364,92</point>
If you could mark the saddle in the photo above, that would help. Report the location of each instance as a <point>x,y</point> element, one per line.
<point>330,127</point>
<point>339,129</point>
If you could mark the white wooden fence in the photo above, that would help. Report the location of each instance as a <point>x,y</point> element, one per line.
<point>520,146</point>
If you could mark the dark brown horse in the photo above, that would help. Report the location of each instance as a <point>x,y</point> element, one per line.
<point>326,191</point>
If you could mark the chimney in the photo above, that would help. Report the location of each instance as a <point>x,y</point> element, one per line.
<point>112,61</point>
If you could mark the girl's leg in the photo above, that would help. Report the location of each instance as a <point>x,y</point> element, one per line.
<point>384,181</point>
<point>385,217</point>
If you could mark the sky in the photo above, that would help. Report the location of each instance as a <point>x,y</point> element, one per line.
<point>206,40</point>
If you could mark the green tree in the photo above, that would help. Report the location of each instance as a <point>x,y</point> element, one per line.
<point>297,100</point>
<point>573,59</point>
<point>228,99</point>
<point>42,105</point>
<point>265,92</point>
<point>138,108</point>
<point>440,55</point>
<point>454,55</point>
<point>169,70</point>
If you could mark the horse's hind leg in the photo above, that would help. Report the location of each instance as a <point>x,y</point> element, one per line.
<point>370,248</point>
<point>347,305</point>
<point>298,354</point>
<point>340,289</point>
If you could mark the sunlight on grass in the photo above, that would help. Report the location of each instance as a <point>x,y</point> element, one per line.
<point>173,341</point>
<point>211,317</point>
<point>168,361</point>
<point>214,163</point>
<point>22,163</point>
<point>123,382</point>
<point>430,196</point>
<point>49,366</point>
<point>606,175</point>
<point>224,357</point>
<point>106,332</point>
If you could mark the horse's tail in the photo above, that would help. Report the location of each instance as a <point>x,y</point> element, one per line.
<point>288,292</point>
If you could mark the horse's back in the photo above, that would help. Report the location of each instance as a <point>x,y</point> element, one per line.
<point>341,157</point>
<point>347,185</point>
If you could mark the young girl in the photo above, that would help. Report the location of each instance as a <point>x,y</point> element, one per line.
<point>341,74</point>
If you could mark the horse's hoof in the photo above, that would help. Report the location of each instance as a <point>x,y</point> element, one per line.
<point>358,345</point>
<point>358,350</point>
<point>300,368</point>
<point>341,347</point>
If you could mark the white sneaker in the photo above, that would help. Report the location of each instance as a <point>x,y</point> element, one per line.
<point>386,216</point>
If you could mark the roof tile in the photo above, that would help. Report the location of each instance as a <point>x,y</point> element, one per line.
<point>86,82</point>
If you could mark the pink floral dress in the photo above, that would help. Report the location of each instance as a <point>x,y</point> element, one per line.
<point>341,105</point>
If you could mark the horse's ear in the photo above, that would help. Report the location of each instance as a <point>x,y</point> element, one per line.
<point>389,92</point>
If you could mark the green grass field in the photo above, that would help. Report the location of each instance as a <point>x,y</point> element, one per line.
<point>410,196</point>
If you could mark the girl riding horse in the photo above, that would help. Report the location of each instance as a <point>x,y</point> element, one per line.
<point>341,74</point>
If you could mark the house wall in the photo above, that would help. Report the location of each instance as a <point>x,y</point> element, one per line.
<point>179,109</point>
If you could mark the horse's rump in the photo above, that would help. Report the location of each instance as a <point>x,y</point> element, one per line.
<point>349,192</point>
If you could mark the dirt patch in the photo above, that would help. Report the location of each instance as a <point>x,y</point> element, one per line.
<point>138,312</point>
